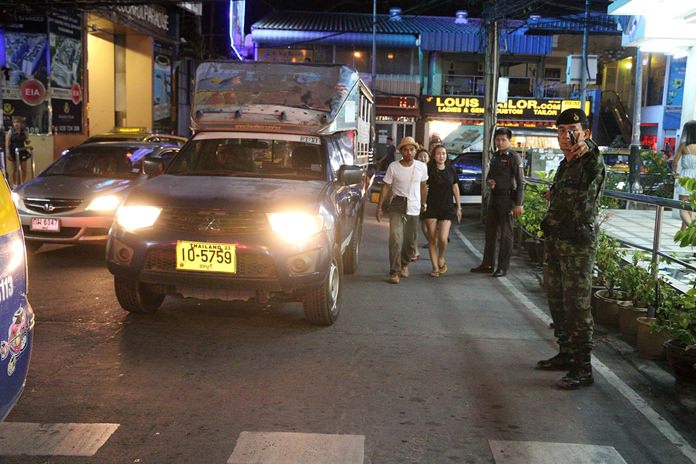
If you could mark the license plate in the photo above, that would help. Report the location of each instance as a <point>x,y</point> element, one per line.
<point>45,224</point>
<point>206,257</point>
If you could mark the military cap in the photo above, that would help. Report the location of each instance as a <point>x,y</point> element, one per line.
<point>572,116</point>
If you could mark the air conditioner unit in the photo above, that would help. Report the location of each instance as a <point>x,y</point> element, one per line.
<point>575,67</point>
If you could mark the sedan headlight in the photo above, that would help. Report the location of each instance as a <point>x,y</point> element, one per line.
<point>15,199</point>
<point>133,218</point>
<point>104,203</point>
<point>295,226</point>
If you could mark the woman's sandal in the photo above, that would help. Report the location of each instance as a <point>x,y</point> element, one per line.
<point>435,274</point>
<point>443,268</point>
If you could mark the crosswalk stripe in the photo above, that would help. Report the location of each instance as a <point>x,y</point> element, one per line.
<point>297,448</point>
<point>524,452</point>
<point>33,439</point>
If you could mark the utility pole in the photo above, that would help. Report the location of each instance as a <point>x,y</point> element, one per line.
<point>491,65</point>
<point>374,46</point>
<point>634,161</point>
<point>585,67</point>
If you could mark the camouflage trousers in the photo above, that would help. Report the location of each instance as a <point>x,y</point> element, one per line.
<point>568,288</point>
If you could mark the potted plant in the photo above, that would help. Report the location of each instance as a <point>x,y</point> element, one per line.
<point>639,288</point>
<point>680,323</point>
<point>651,332</point>
<point>608,261</point>
<point>535,207</point>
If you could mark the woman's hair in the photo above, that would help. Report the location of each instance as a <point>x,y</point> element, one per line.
<point>688,136</point>
<point>432,155</point>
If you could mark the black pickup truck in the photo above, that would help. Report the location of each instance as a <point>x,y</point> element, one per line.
<point>239,216</point>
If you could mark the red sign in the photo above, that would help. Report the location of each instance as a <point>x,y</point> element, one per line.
<point>32,92</point>
<point>76,93</point>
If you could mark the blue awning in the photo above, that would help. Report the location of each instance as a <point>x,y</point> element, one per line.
<point>436,33</point>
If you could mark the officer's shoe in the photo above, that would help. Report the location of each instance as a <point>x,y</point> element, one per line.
<point>576,379</point>
<point>482,269</point>
<point>499,273</point>
<point>560,362</point>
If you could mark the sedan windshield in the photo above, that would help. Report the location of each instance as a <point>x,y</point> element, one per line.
<point>99,161</point>
<point>250,158</point>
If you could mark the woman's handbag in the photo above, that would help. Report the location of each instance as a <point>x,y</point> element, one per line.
<point>398,205</point>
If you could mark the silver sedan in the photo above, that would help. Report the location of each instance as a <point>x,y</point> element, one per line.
<point>74,200</point>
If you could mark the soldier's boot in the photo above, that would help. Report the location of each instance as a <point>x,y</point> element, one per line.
<point>580,374</point>
<point>560,362</point>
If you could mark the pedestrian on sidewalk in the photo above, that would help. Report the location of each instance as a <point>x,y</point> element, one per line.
<point>443,207</point>
<point>570,237</point>
<point>405,183</point>
<point>389,155</point>
<point>506,181</point>
<point>423,156</point>
<point>684,164</point>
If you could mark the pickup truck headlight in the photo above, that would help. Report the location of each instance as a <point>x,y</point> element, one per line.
<point>104,203</point>
<point>133,218</point>
<point>295,226</point>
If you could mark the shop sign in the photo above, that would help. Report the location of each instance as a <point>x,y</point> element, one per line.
<point>24,92</point>
<point>65,39</point>
<point>149,15</point>
<point>530,109</point>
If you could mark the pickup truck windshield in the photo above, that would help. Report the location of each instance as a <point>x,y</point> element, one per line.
<point>250,158</point>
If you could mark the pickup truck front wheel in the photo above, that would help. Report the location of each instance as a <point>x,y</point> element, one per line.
<point>322,304</point>
<point>136,297</point>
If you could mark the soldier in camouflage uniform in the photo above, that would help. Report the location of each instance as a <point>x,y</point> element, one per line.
<point>570,232</point>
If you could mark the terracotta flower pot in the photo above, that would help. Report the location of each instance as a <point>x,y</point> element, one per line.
<point>607,310</point>
<point>650,344</point>
<point>628,314</point>
<point>682,362</point>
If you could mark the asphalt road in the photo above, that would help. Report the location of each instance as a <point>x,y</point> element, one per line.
<point>427,371</point>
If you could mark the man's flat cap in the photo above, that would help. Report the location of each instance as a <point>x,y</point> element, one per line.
<point>572,116</point>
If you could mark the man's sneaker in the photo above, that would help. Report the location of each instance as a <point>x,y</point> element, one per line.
<point>482,269</point>
<point>560,362</point>
<point>404,271</point>
<point>394,278</point>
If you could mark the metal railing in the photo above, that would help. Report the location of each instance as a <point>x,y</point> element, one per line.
<point>660,204</point>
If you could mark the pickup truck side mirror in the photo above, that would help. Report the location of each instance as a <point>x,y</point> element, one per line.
<point>350,175</point>
<point>153,167</point>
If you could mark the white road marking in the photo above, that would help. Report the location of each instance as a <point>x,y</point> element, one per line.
<point>525,452</point>
<point>297,448</point>
<point>660,423</point>
<point>33,439</point>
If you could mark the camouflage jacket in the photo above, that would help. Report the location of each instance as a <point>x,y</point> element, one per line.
<point>574,202</point>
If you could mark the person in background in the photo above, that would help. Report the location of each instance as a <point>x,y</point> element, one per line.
<point>684,165</point>
<point>389,157</point>
<point>506,181</point>
<point>405,180</point>
<point>16,140</point>
<point>423,156</point>
<point>444,207</point>
<point>570,240</point>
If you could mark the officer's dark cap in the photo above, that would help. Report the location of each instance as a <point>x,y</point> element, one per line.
<point>573,116</point>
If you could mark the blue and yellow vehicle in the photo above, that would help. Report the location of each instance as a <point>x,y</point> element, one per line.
<point>16,315</point>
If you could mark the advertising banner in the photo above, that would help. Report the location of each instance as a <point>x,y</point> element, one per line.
<point>25,91</point>
<point>522,109</point>
<point>162,89</point>
<point>65,38</point>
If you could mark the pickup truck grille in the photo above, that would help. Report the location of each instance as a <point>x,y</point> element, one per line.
<point>248,264</point>
<point>212,222</point>
<point>51,205</point>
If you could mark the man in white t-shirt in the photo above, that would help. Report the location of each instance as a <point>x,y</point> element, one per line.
<point>405,178</point>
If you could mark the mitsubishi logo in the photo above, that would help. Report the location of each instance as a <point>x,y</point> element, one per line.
<point>210,224</point>
<point>49,208</point>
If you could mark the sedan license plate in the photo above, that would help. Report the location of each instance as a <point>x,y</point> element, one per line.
<point>45,224</point>
<point>206,257</point>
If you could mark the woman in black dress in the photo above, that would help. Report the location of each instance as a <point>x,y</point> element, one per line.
<point>443,207</point>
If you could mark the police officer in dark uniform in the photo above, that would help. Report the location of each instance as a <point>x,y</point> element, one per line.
<point>570,239</point>
<point>506,181</point>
